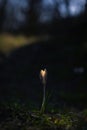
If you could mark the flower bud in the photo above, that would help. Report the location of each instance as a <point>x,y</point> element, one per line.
<point>43,75</point>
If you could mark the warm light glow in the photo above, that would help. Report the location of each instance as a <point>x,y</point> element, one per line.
<point>43,73</point>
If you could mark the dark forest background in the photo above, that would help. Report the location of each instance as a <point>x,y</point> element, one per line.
<point>59,31</point>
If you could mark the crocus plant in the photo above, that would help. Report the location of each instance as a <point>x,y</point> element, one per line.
<point>43,77</point>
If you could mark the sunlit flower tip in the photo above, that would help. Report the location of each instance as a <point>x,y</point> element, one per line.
<point>43,73</point>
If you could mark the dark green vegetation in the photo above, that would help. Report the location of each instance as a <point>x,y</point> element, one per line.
<point>16,116</point>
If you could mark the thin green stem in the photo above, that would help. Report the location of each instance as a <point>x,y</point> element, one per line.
<point>44,98</point>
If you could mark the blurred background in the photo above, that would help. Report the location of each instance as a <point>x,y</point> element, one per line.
<point>40,34</point>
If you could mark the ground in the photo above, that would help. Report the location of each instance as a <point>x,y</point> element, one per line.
<point>19,116</point>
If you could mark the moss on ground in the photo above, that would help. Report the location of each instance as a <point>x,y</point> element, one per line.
<point>16,116</point>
